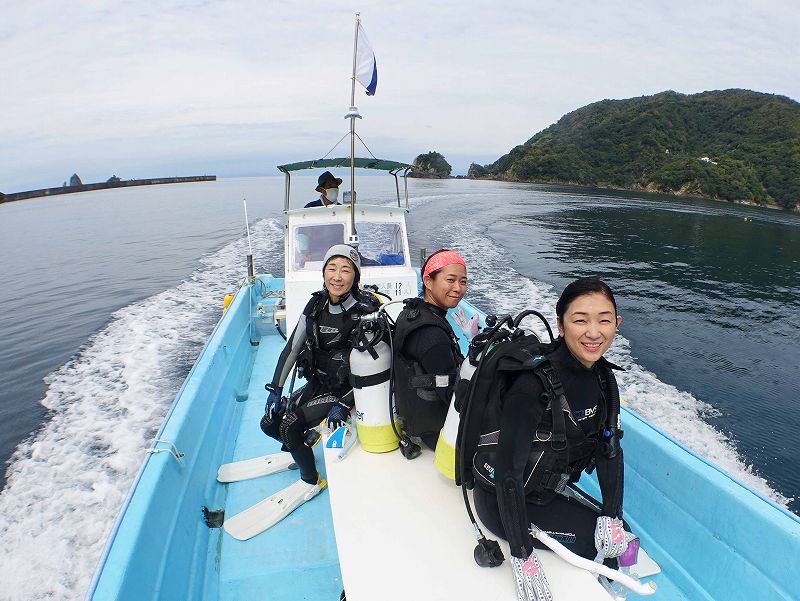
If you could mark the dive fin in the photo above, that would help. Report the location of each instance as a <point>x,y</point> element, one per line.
<point>253,468</point>
<point>645,565</point>
<point>261,516</point>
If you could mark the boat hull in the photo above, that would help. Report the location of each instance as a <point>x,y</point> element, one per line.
<point>712,537</point>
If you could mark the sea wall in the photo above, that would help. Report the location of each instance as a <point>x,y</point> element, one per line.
<point>104,185</point>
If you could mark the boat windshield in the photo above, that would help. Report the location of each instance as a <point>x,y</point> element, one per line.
<point>380,244</point>
<point>311,242</point>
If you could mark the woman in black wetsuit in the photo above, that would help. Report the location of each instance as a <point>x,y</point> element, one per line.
<point>426,351</point>
<point>587,322</point>
<point>320,345</point>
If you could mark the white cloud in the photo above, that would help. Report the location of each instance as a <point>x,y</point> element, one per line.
<point>102,88</point>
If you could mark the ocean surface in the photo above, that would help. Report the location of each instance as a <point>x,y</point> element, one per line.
<point>107,298</point>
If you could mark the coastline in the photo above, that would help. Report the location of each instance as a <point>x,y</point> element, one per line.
<point>678,194</point>
<point>13,196</point>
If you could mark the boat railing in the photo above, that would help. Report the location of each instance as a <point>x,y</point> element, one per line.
<point>394,168</point>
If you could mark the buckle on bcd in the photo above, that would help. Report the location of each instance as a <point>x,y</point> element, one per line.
<point>562,483</point>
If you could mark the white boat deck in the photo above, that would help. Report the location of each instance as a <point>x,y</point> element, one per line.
<point>402,533</point>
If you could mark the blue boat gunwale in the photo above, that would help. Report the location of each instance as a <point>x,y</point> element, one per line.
<point>715,467</point>
<point>207,350</point>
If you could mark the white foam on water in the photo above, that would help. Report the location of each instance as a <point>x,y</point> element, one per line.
<point>68,482</point>
<point>497,287</point>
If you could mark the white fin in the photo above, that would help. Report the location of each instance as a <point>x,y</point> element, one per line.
<point>261,516</point>
<point>253,468</point>
<point>645,566</point>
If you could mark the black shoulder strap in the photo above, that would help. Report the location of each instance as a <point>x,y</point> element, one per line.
<point>414,316</point>
<point>554,397</point>
<point>315,303</point>
<point>613,400</point>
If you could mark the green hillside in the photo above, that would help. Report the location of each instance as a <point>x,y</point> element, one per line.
<point>731,144</point>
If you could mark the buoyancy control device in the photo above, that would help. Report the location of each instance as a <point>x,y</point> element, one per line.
<point>370,374</point>
<point>325,354</point>
<point>421,398</point>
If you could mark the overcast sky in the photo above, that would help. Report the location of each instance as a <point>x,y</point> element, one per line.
<point>177,87</point>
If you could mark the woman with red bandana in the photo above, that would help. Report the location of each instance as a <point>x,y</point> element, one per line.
<point>426,351</point>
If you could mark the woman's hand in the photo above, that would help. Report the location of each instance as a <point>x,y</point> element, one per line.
<point>470,326</point>
<point>609,537</point>
<point>337,415</point>
<point>531,582</point>
<point>273,406</point>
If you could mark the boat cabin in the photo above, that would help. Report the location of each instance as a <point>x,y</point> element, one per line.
<point>378,231</point>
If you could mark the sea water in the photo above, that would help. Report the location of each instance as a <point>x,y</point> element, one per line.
<point>108,297</point>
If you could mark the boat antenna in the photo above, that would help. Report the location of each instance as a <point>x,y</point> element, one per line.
<point>251,274</point>
<point>352,114</point>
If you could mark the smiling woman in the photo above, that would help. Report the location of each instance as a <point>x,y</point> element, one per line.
<point>587,319</point>
<point>559,419</point>
<point>339,276</point>
<point>426,352</point>
<point>320,346</point>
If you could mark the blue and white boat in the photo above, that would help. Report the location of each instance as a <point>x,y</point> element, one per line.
<point>387,528</point>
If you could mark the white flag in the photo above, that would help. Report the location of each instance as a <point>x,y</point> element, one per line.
<point>366,67</point>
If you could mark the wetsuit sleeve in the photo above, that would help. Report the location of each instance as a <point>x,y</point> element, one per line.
<point>433,349</point>
<point>610,475</point>
<point>522,412</point>
<point>290,352</point>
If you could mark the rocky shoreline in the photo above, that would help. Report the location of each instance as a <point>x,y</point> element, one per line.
<point>678,193</point>
<point>103,186</point>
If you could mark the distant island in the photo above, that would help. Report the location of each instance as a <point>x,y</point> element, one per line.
<point>734,145</point>
<point>431,165</point>
<point>75,185</point>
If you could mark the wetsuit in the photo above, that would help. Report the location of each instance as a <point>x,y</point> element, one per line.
<point>506,509</point>
<point>425,347</point>
<point>320,345</point>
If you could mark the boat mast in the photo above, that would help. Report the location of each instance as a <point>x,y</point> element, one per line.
<point>353,115</point>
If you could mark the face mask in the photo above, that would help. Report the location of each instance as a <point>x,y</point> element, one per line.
<point>332,194</point>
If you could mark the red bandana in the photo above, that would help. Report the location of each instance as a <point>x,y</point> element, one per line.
<point>443,259</point>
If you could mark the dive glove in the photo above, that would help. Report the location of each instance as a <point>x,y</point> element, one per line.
<point>470,327</point>
<point>273,406</point>
<point>531,582</point>
<point>609,538</point>
<point>337,415</point>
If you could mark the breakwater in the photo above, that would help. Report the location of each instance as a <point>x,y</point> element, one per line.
<point>104,185</point>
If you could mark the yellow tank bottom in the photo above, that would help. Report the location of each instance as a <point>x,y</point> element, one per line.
<point>377,439</point>
<point>445,458</point>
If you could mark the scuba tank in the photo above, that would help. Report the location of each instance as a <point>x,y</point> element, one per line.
<point>445,457</point>
<point>370,371</point>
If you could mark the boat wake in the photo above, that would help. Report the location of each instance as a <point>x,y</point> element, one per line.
<point>67,483</point>
<point>498,288</point>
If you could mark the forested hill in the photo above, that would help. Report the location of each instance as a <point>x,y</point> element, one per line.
<point>730,144</point>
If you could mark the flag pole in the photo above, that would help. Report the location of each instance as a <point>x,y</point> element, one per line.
<point>353,115</point>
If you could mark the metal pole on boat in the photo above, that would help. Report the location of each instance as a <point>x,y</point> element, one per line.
<point>353,115</point>
<point>251,272</point>
<point>353,79</point>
